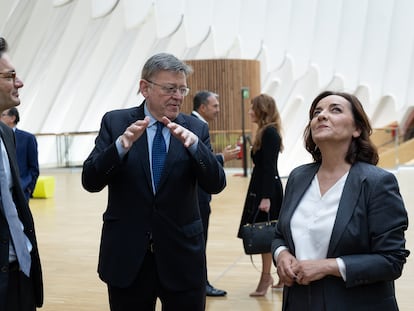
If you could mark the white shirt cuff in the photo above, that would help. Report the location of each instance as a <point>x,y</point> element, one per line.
<point>278,251</point>
<point>342,267</point>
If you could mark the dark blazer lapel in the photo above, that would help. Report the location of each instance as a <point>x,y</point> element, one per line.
<point>300,185</point>
<point>347,204</point>
<point>140,146</point>
<point>9,144</point>
<point>11,153</point>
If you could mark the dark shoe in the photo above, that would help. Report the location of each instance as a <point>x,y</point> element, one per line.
<point>214,292</point>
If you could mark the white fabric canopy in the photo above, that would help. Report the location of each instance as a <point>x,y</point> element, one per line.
<point>81,58</point>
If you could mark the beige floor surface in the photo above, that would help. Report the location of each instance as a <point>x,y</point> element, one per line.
<point>68,230</point>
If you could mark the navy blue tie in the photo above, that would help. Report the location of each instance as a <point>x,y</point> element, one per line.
<point>159,152</point>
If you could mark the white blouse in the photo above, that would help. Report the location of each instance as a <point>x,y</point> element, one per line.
<point>313,221</point>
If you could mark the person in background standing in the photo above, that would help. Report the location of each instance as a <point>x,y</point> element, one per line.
<point>206,108</point>
<point>151,158</point>
<point>21,284</point>
<point>26,149</point>
<point>339,242</point>
<point>265,192</point>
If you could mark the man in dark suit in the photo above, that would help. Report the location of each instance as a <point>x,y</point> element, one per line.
<point>206,108</point>
<point>152,242</point>
<point>26,149</point>
<point>21,286</point>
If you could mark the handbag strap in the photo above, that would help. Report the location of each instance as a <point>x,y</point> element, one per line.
<point>257,269</point>
<point>257,213</point>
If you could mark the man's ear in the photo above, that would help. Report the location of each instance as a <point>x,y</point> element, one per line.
<point>143,88</point>
<point>202,108</point>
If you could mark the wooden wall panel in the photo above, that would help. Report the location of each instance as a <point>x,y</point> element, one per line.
<point>226,77</point>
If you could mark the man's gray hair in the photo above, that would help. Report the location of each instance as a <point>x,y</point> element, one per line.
<point>164,62</point>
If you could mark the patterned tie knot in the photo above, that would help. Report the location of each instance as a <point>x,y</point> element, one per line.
<point>160,126</point>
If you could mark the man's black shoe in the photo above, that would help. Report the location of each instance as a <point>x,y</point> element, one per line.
<point>214,292</point>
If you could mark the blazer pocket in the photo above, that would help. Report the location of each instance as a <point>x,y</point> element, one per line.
<point>193,229</point>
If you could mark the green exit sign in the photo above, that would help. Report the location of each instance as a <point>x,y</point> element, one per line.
<point>245,93</point>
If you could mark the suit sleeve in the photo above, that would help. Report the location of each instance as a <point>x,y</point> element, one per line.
<point>33,162</point>
<point>387,221</point>
<point>103,160</point>
<point>220,158</point>
<point>270,150</point>
<point>210,174</point>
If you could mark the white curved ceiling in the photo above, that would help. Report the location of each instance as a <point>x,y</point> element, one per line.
<point>80,58</point>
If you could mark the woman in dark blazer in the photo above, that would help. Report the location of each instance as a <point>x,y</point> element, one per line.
<point>340,237</point>
<point>265,193</point>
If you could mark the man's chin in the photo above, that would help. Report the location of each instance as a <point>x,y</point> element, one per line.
<point>172,115</point>
<point>11,104</point>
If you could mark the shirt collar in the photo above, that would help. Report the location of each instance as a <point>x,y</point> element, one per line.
<point>199,116</point>
<point>153,121</point>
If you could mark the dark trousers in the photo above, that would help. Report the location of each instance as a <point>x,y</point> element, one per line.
<point>306,298</point>
<point>20,295</point>
<point>142,294</point>
<point>205,218</point>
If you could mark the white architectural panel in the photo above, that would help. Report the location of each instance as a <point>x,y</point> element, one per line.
<point>61,2</point>
<point>250,41</point>
<point>135,12</point>
<point>350,44</point>
<point>100,8</point>
<point>398,67</point>
<point>376,45</point>
<point>81,58</point>
<point>7,6</point>
<point>276,32</point>
<point>225,24</point>
<point>324,45</point>
<point>301,34</point>
<point>198,17</point>
<point>168,16</point>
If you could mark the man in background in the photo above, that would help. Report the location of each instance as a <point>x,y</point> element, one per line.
<point>21,285</point>
<point>26,149</point>
<point>206,108</point>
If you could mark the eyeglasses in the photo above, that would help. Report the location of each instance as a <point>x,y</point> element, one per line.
<point>171,90</point>
<point>8,75</point>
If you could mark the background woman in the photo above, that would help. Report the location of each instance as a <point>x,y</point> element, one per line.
<point>265,190</point>
<point>340,237</point>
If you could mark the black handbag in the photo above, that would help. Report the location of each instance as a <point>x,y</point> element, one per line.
<point>258,236</point>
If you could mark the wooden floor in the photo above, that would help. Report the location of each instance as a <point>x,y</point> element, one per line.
<point>68,231</point>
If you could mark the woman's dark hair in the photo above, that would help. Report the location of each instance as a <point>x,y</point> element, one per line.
<point>361,148</point>
<point>267,114</point>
